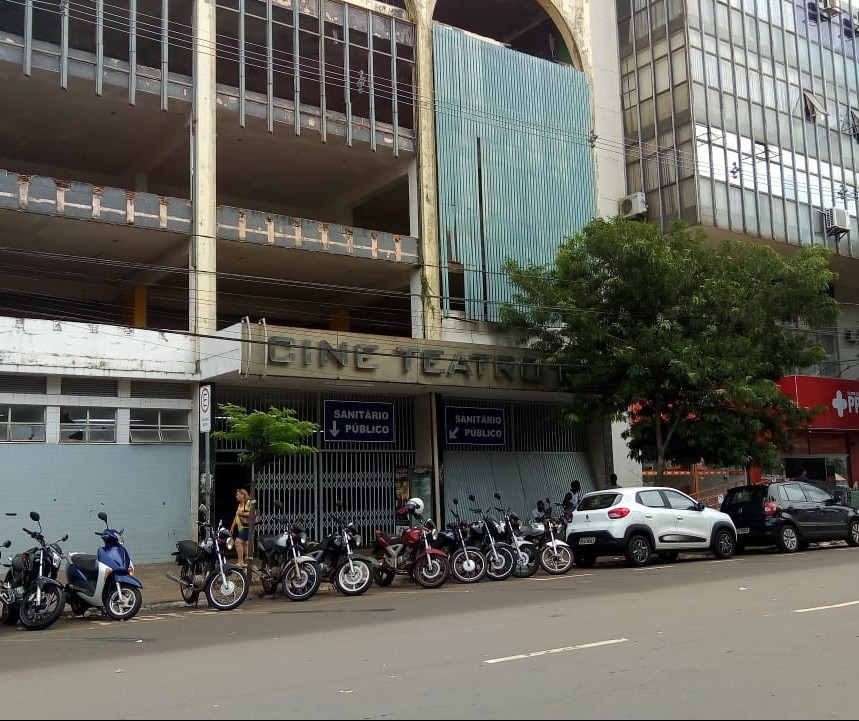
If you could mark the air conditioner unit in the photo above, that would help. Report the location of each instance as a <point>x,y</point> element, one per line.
<point>633,206</point>
<point>836,221</point>
<point>829,7</point>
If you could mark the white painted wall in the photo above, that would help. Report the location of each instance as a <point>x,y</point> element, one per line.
<point>44,347</point>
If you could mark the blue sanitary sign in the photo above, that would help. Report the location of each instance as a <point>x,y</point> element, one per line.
<point>475,426</point>
<point>359,421</point>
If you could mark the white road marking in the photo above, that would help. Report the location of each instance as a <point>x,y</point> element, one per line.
<point>564,649</point>
<point>826,608</point>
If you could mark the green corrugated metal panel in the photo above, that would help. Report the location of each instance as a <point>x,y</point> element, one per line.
<point>513,142</point>
<point>520,478</point>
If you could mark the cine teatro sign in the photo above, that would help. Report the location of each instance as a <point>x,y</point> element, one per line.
<point>353,356</point>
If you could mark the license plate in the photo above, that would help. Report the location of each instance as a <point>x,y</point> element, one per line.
<point>741,531</point>
<point>587,540</point>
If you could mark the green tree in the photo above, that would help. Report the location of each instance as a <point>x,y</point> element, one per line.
<point>264,437</point>
<point>684,339</point>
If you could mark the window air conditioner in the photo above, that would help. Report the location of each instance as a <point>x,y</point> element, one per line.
<point>633,206</point>
<point>829,7</point>
<point>836,221</point>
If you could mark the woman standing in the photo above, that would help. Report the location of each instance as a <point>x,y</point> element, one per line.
<point>240,524</point>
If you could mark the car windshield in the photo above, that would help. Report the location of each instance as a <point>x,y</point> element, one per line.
<point>596,501</point>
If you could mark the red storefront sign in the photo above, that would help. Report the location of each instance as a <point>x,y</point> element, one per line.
<point>838,397</point>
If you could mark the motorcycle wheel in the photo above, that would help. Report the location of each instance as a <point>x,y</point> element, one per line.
<point>556,562</point>
<point>432,571</point>
<point>383,576</point>
<point>36,618</point>
<point>227,593</point>
<point>8,613</point>
<point>190,594</point>
<point>301,583</point>
<point>354,581</point>
<point>467,567</point>
<point>121,602</point>
<point>502,565</point>
<point>527,562</point>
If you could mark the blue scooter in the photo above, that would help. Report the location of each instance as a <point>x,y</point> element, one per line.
<point>104,581</point>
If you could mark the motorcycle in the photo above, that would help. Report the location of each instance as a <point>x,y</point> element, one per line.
<point>34,596</point>
<point>486,534</point>
<point>105,580</point>
<point>525,551</point>
<point>467,563</point>
<point>203,567</point>
<point>412,553</point>
<point>349,572</point>
<point>555,555</point>
<point>282,561</point>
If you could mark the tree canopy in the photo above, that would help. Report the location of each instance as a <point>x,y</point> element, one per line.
<point>684,339</point>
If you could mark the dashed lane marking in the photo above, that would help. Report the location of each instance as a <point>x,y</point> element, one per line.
<point>563,649</point>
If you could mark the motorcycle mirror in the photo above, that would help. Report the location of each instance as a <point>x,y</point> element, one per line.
<point>102,516</point>
<point>455,501</point>
<point>65,538</point>
<point>7,543</point>
<point>11,513</point>
<point>497,496</point>
<point>548,500</point>
<point>471,497</point>
<point>34,516</point>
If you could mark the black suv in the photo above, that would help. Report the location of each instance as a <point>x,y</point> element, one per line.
<point>789,515</point>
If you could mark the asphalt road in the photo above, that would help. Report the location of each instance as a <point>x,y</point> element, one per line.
<point>763,635</point>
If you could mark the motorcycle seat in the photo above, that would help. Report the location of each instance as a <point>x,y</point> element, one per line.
<point>268,544</point>
<point>85,562</point>
<point>189,549</point>
<point>387,538</point>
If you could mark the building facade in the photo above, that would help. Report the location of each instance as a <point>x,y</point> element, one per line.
<point>741,117</point>
<point>301,203</point>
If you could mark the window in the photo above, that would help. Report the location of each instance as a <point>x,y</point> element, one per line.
<point>22,423</point>
<point>159,426</point>
<point>651,499</point>
<point>681,502</point>
<point>792,492</point>
<point>814,106</point>
<point>816,495</point>
<point>87,425</point>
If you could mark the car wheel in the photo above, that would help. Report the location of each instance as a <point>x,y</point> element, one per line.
<point>723,543</point>
<point>637,550</point>
<point>788,540</point>
<point>853,533</point>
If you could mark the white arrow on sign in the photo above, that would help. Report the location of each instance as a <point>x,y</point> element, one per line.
<point>454,432</point>
<point>334,432</point>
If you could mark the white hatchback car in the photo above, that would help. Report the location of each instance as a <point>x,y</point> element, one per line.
<point>638,522</point>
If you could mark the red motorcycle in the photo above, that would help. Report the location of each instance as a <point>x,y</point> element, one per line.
<point>412,553</point>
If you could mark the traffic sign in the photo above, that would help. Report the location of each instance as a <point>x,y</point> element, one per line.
<point>205,409</point>
<point>359,421</point>
<point>475,426</point>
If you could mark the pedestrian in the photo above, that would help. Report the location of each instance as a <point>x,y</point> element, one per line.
<point>575,493</point>
<point>538,515</point>
<point>802,477</point>
<point>612,481</point>
<point>240,524</point>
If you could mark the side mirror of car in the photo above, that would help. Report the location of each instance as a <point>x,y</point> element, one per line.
<point>701,505</point>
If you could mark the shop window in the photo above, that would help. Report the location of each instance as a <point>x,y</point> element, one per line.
<point>159,426</point>
<point>24,424</point>
<point>87,425</point>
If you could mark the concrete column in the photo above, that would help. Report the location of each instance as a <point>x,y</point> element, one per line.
<point>426,170</point>
<point>203,256</point>
<point>416,280</point>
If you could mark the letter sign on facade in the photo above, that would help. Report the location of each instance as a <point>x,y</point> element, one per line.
<point>475,426</point>
<point>359,421</point>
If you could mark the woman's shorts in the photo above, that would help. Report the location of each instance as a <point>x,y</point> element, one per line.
<point>243,534</point>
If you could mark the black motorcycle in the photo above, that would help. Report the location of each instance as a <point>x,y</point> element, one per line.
<point>467,563</point>
<point>487,534</point>
<point>282,561</point>
<point>203,567</point>
<point>32,594</point>
<point>351,573</point>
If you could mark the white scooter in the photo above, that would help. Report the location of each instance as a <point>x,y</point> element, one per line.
<point>104,581</point>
